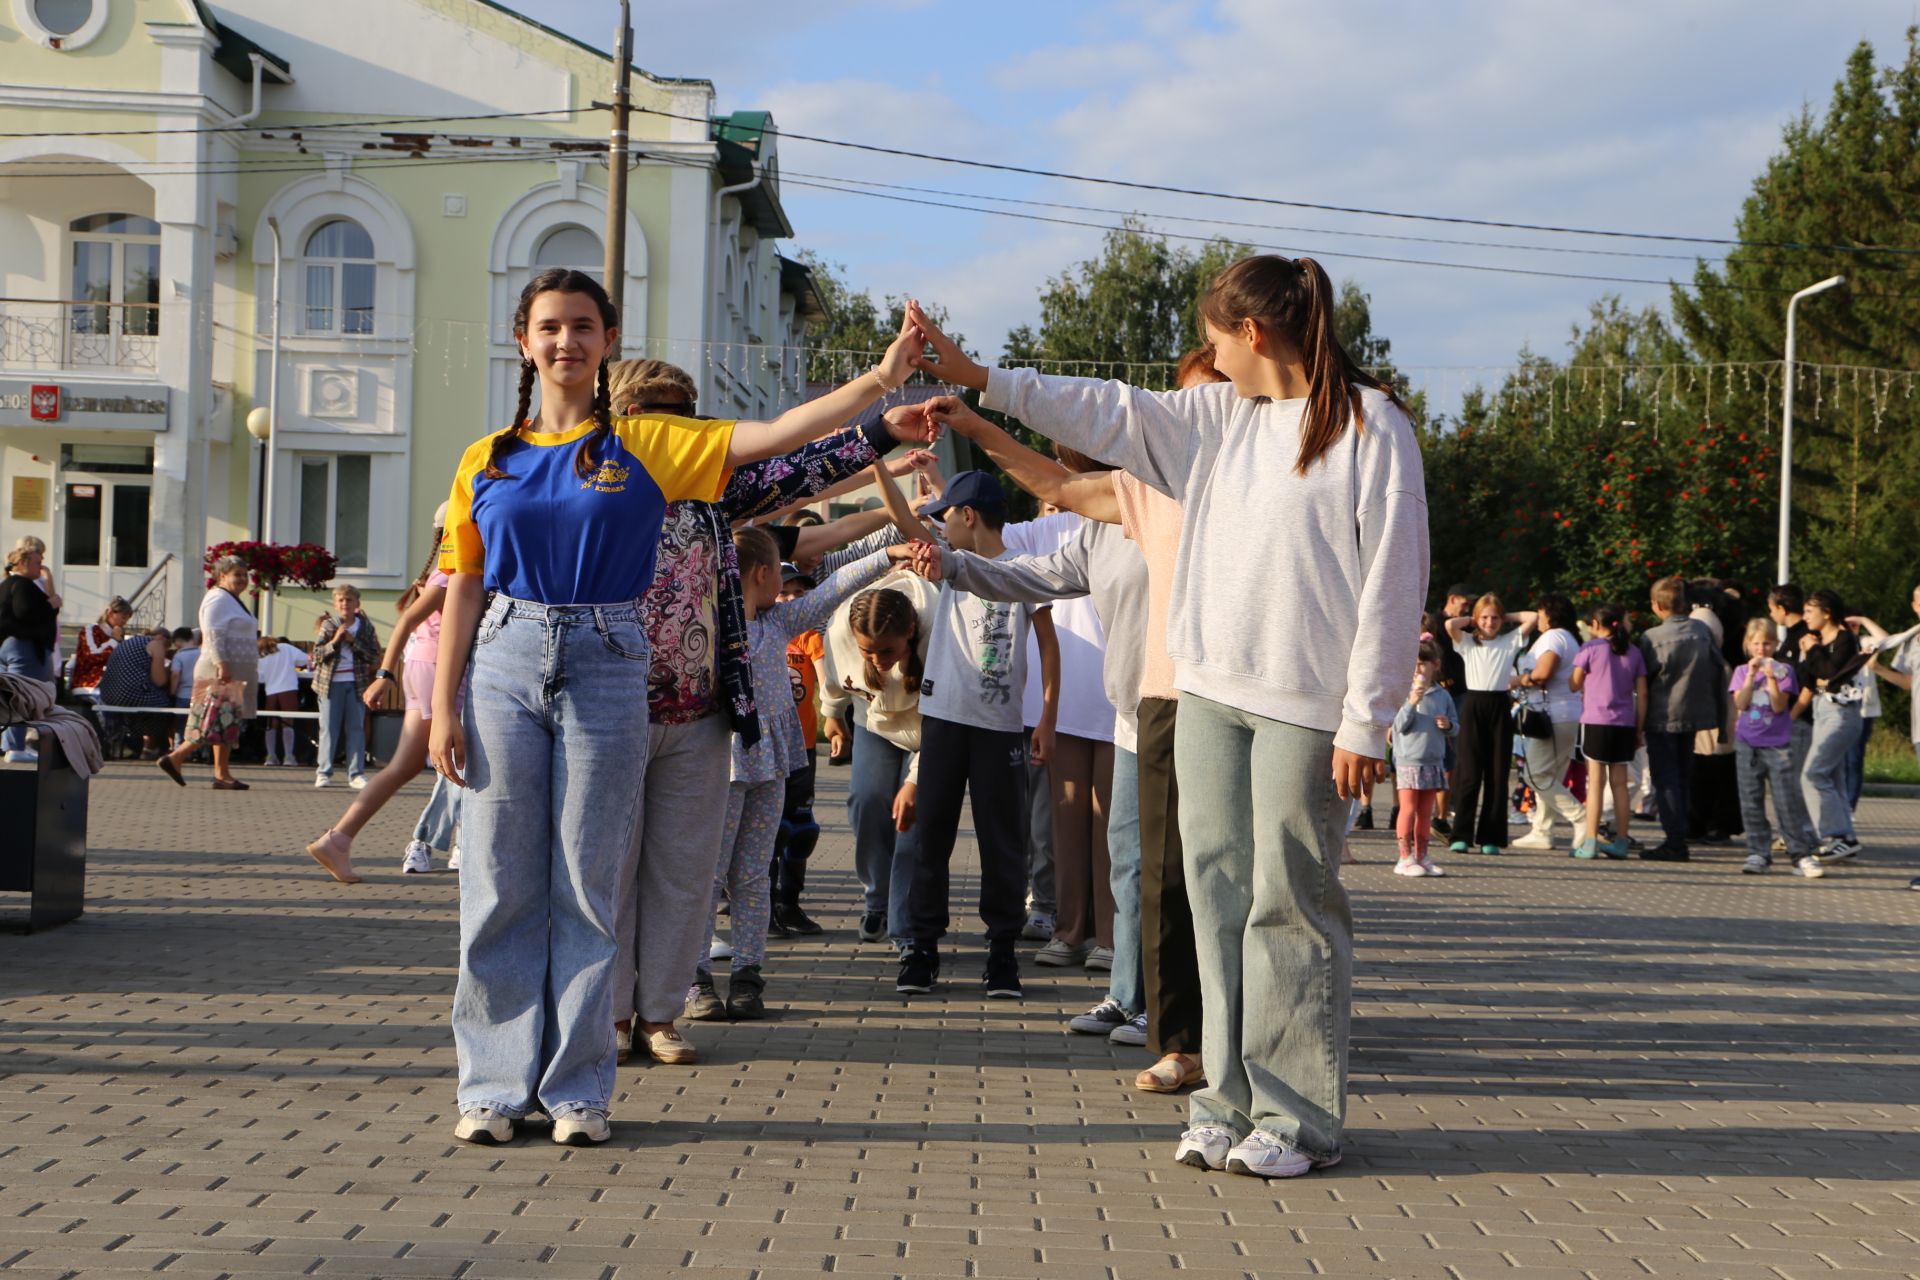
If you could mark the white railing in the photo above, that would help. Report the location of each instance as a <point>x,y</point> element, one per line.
<point>67,336</point>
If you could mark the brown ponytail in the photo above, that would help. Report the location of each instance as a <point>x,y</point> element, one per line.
<point>884,614</point>
<point>1293,299</point>
<point>557,280</point>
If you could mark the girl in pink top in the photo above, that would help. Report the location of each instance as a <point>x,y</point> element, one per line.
<point>413,646</point>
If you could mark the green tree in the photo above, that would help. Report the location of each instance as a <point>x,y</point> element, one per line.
<point>1850,177</point>
<point>855,324</point>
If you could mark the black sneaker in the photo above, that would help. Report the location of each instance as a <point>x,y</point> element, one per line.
<point>1914,883</point>
<point>1442,827</point>
<point>1839,849</point>
<point>746,994</point>
<point>1365,821</point>
<point>703,1002</point>
<point>776,927</point>
<point>873,927</point>
<point>1665,852</point>
<point>795,921</point>
<point>1002,978</point>
<point>919,969</point>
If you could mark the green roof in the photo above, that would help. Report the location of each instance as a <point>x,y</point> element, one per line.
<point>233,50</point>
<point>740,140</point>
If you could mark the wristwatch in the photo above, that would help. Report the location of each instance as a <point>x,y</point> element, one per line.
<point>383,674</point>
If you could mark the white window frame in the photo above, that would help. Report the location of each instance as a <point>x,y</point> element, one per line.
<point>332,518</point>
<point>335,303</point>
<point>29,23</point>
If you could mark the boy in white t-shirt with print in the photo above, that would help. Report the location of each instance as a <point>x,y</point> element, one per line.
<point>973,742</point>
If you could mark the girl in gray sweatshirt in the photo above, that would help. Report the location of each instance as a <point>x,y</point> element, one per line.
<point>1298,589</point>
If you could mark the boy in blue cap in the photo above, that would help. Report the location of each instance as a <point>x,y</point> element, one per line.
<point>973,741</point>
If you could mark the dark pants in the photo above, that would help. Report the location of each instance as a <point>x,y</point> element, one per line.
<point>1670,761</point>
<point>1716,797</point>
<point>1171,964</point>
<point>1480,795</point>
<point>793,843</point>
<point>956,761</point>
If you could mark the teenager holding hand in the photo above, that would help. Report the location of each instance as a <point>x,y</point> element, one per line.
<point>552,529</point>
<point>1307,471</point>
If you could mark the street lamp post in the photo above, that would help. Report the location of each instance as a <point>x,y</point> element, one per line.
<point>1786,425</point>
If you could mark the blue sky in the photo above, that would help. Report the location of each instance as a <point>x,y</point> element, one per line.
<point>1632,115</point>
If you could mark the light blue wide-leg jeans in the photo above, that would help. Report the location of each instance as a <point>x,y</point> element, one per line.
<point>556,728</point>
<point>440,817</point>
<point>1835,727</point>
<point>1262,828</point>
<point>1123,873</point>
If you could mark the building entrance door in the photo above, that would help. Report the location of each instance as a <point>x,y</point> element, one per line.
<point>103,544</point>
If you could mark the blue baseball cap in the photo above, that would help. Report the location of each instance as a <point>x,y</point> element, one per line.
<point>974,489</point>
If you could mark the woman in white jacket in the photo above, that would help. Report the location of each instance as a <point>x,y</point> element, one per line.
<point>1301,574</point>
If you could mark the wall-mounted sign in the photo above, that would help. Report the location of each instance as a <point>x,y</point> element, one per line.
<point>30,499</point>
<point>83,490</point>
<point>82,404</point>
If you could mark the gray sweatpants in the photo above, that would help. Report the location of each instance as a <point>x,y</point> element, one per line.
<point>666,900</point>
<point>1041,895</point>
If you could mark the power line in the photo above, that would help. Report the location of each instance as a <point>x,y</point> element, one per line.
<point>1001,167</point>
<point>251,127</point>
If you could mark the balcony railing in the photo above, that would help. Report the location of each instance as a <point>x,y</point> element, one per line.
<point>68,336</point>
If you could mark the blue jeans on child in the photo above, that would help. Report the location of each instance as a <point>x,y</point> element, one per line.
<point>342,716</point>
<point>19,658</point>
<point>440,817</point>
<point>883,857</point>
<point>556,729</point>
<point>1123,872</point>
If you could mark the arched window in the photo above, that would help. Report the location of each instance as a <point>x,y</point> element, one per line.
<point>339,279</point>
<point>574,248</point>
<point>115,291</point>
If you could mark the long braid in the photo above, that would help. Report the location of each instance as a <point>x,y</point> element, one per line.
<point>494,471</point>
<point>883,613</point>
<point>597,444</point>
<point>412,593</point>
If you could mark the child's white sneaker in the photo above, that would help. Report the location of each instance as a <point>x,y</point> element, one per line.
<point>1431,867</point>
<point>418,858</point>
<point>1409,866</point>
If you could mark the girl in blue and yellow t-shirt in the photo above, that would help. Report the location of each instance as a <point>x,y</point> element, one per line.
<point>551,533</point>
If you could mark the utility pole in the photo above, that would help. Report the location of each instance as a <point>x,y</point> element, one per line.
<point>616,269</point>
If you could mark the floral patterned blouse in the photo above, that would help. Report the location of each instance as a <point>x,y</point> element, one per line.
<point>695,620</point>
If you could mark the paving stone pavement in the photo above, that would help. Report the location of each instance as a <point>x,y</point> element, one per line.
<point>233,1066</point>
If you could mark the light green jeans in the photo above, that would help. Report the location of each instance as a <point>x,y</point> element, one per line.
<point>1262,826</point>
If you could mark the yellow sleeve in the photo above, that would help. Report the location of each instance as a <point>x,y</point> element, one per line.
<point>687,457</point>
<point>460,547</point>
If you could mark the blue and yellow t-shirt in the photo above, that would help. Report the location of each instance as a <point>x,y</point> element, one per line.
<point>549,535</point>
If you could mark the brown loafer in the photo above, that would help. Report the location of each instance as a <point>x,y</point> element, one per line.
<point>172,770</point>
<point>229,784</point>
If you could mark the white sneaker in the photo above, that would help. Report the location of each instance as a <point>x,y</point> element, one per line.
<point>484,1126</point>
<point>1133,1031</point>
<point>419,858</point>
<point>1100,959</point>
<point>358,782</point>
<point>1409,867</point>
<point>719,951</point>
<point>1810,867</point>
<point>1205,1146</point>
<point>322,780</point>
<point>1039,927</point>
<point>453,859</point>
<point>1431,867</point>
<point>1261,1155</point>
<point>582,1129</point>
<point>1755,865</point>
<point>1534,840</point>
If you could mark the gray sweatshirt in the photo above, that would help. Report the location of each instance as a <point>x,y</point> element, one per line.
<point>1417,736</point>
<point>1296,598</point>
<point>1098,562</point>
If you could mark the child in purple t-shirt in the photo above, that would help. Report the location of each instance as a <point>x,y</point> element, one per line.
<point>1763,690</point>
<point>1610,675</point>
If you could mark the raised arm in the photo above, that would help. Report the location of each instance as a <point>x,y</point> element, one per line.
<point>897,509</point>
<point>814,610</point>
<point>1059,575</point>
<point>1153,434</point>
<point>752,441</point>
<point>1045,478</point>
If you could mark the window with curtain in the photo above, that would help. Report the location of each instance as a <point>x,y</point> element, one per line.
<point>336,494</point>
<point>339,279</point>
